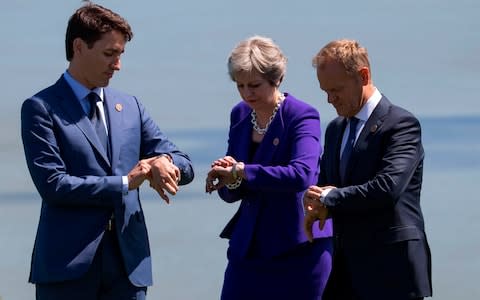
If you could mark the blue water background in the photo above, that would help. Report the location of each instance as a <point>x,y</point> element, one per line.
<point>425,57</point>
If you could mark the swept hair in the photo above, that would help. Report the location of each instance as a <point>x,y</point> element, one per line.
<point>349,53</point>
<point>90,22</point>
<point>259,54</point>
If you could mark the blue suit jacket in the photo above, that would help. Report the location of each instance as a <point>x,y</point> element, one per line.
<point>376,214</point>
<point>285,164</point>
<point>81,188</point>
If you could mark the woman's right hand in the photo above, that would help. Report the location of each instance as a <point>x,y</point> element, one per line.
<point>226,161</point>
<point>220,173</point>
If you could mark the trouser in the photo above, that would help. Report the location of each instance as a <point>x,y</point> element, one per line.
<point>105,280</point>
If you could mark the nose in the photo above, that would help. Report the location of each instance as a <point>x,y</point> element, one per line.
<point>116,64</point>
<point>246,92</point>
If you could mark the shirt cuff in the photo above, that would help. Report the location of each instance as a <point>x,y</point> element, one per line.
<point>324,194</point>
<point>124,185</point>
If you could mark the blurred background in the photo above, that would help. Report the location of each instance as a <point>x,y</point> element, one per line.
<point>424,56</point>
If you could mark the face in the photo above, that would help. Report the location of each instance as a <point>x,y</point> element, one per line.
<point>95,66</point>
<point>344,91</point>
<point>256,91</point>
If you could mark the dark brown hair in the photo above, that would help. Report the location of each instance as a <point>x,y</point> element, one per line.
<point>90,22</point>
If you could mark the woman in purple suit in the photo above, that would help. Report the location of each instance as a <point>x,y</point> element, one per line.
<point>272,157</point>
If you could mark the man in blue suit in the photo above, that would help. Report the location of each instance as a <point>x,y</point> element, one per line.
<point>370,181</point>
<point>88,149</point>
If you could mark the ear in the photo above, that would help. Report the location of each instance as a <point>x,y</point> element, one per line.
<point>78,46</point>
<point>364,73</point>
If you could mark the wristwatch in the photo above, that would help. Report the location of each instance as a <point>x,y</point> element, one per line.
<point>168,156</point>
<point>234,171</point>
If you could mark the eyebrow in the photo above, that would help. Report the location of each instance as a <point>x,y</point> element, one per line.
<point>116,50</point>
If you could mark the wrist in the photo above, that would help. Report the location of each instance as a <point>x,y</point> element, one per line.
<point>167,156</point>
<point>234,171</point>
<point>237,175</point>
<point>324,194</point>
<point>238,170</point>
<point>125,184</point>
<point>322,201</point>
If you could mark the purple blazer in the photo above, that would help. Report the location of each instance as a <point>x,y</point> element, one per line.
<point>285,164</point>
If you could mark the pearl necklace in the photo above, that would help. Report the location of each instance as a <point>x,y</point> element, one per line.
<point>257,127</point>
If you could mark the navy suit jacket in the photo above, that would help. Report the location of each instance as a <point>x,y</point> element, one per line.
<point>377,218</point>
<point>285,164</point>
<point>81,188</point>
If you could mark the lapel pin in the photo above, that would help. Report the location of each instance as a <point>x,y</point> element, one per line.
<point>276,141</point>
<point>118,107</point>
<point>373,128</point>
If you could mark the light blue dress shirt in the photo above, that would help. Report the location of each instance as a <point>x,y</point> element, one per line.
<point>81,92</point>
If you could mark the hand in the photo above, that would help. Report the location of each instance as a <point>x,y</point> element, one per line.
<point>138,174</point>
<point>164,177</point>
<point>226,161</point>
<point>221,174</point>
<point>314,209</point>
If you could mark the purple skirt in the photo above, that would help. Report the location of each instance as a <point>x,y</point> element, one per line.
<point>301,274</point>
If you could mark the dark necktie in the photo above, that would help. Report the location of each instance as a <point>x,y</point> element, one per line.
<point>96,119</point>
<point>347,151</point>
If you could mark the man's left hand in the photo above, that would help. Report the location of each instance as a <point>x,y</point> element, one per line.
<point>164,177</point>
<point>314,209</point>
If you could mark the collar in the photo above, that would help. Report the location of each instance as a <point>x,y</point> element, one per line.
<point>369,106</point>
<point>80,91</point>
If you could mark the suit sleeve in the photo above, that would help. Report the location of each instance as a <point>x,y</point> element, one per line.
<point>301,166</point>
<point>403,152</point>
<point>155,142</point>
<point>49,171</point>
<point>226,194</point>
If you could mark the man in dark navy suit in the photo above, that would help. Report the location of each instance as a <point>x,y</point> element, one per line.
<point>88,149</point>
<point>370,181</point>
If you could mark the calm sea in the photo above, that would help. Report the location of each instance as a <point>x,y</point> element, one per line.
<point>424,57</point>
<point>189,257</point>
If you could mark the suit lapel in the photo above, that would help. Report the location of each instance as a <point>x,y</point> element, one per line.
<point>372,126</point>
<point>241,139</point>
<point>340,125</point>
<point>374,121</point>
<point>272,139</point>
<point>114,107</point>
<point>74,111</point>
<point>242,135</point>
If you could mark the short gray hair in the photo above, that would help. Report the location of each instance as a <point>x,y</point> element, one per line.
<point>259,54</point>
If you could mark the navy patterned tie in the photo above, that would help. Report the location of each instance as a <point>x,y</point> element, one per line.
<point>347,151</point>
<point>96,119</point>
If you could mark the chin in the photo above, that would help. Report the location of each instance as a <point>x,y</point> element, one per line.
<point>103,83</point>
<point>250,104</point>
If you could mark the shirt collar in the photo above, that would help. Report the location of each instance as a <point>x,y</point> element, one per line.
<point>79,89</point>
<point>369,106</point>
